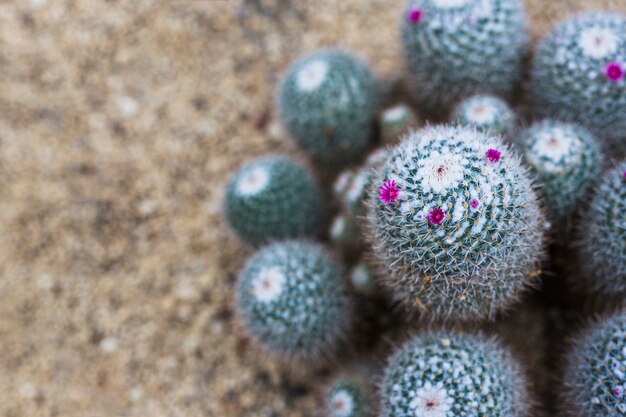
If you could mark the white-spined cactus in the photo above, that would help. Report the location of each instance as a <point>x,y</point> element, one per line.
<point>486,113</point>
<point>453,204</point>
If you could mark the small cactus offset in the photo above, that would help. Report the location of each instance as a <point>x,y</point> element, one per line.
<point>395,122</point>
<point>292,300</point>
<point>343,230</point>
<point>327,102</point>
<point>565,160</point>
<point>456,48</point>
<point>486,113</point>
<point>453,204</point>
<point>273,198</point>
<point>446,375</point>
<point>602,236</point>
<point>362,279</point>
<point>578,74</point>
<point>350,396</point>
<point>595,374</point>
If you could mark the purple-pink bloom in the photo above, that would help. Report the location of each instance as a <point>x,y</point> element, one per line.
<point>474,203</point>
<point>388,191</point>
<point>493,155</point>
<point>414,15</point>
<point>614,71</point>
<point>436,216</point>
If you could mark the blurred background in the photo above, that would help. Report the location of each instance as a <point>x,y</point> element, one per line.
<point>120,122</point>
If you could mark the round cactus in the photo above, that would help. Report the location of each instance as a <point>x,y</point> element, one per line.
<point>445,375</point>
<point>456,48</point>
<point>602,236</point>
<point>343,230</point>
<point>578,74</point>
<point>486,113</point>
<point>327,101</point>
<point>362,279</point>
<point>349,396</point>
<point>292,300</point>
<point>595,376</point>
<point>396,121</point>
<point>273,198</point>
<point>453,204</point>
<point>565,159</point>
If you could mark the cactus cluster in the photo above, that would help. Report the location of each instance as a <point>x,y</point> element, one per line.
<point>273,198</point>
<point>456,48</point>
<point>578,74</point>
<point>447,374</point>
<point>292,300</point>
<point>565,160</point>
<point>486,113</point>
<point>595,375</point>
<point>453,204</point>
<point>327,102</point>
<point>602,236</point>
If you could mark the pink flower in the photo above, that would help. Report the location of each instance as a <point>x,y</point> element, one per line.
<point>474,203</point>
<point>436,216</point>
<point>618,391</point>
<point>493,155</point>
<point>414,15</point>
<point>388,191</point>
<point>614,71</point>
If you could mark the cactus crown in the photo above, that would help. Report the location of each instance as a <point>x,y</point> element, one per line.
<point>327,101</point>
<point>445,375</point>
<point>578,72</point>
<point>348,397</point>
<point>292,300</point>
<point>486,113</point>
<point>602,235</point>
<point>565,159</point>
<point>595,377</point>
<point>464,203</point>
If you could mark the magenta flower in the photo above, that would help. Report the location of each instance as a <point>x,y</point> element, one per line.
<point>436,216</point>
<point>414,15</point>
<point>474,203</point>
<point>618,391</point>
<point>388,191</point>
<point>493,155</point>
<point>614,71</point>
<point>624,174</point>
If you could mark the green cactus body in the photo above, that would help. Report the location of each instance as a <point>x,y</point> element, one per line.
<point>602,236</point>
<point>578,74</point>
<point>485,113</point>
<point>395,122</point>
<point>291,299</point>
<point>595,376</point>
<point>450,375</point>
<point>349,396</point>
<point>564,159</point>
<point>273,198</point>
<point>327,102</point>
<point>455,203</point>
<point>456,48</point>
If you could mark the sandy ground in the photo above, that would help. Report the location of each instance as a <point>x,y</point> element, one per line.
<point>120,122</point>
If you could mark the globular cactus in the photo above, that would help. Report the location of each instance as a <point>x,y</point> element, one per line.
<point>595,373</point>
<point>602,236</point>
<point>486,113</point>
<point>578,74</point>
<point>327,102</point>
<point>453,204</point>
<point>350,395</point>
<point>273,198</point>
<point>456,48</point>
<point>395,122</point>
<point>565,160</point>
<point>343,230</point>
<point>447,374</point>
<point>293,302</point>
<point>362,279</point>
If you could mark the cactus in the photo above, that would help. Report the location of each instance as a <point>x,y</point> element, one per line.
<point>349,396</point>
<point>273,198</point>
<point>486,113</point>
<point>453,204</point>
<point>602,236</point>
<point>343,230</point>
<point>456,48</point>
<point>396,121</point>
<point>595,373</point>
<point>327,102</point>
<point>447,374</point>
<point>565,159</point>
<point>292,300</point>
<point>362,279</point>
<point>578,74</point>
